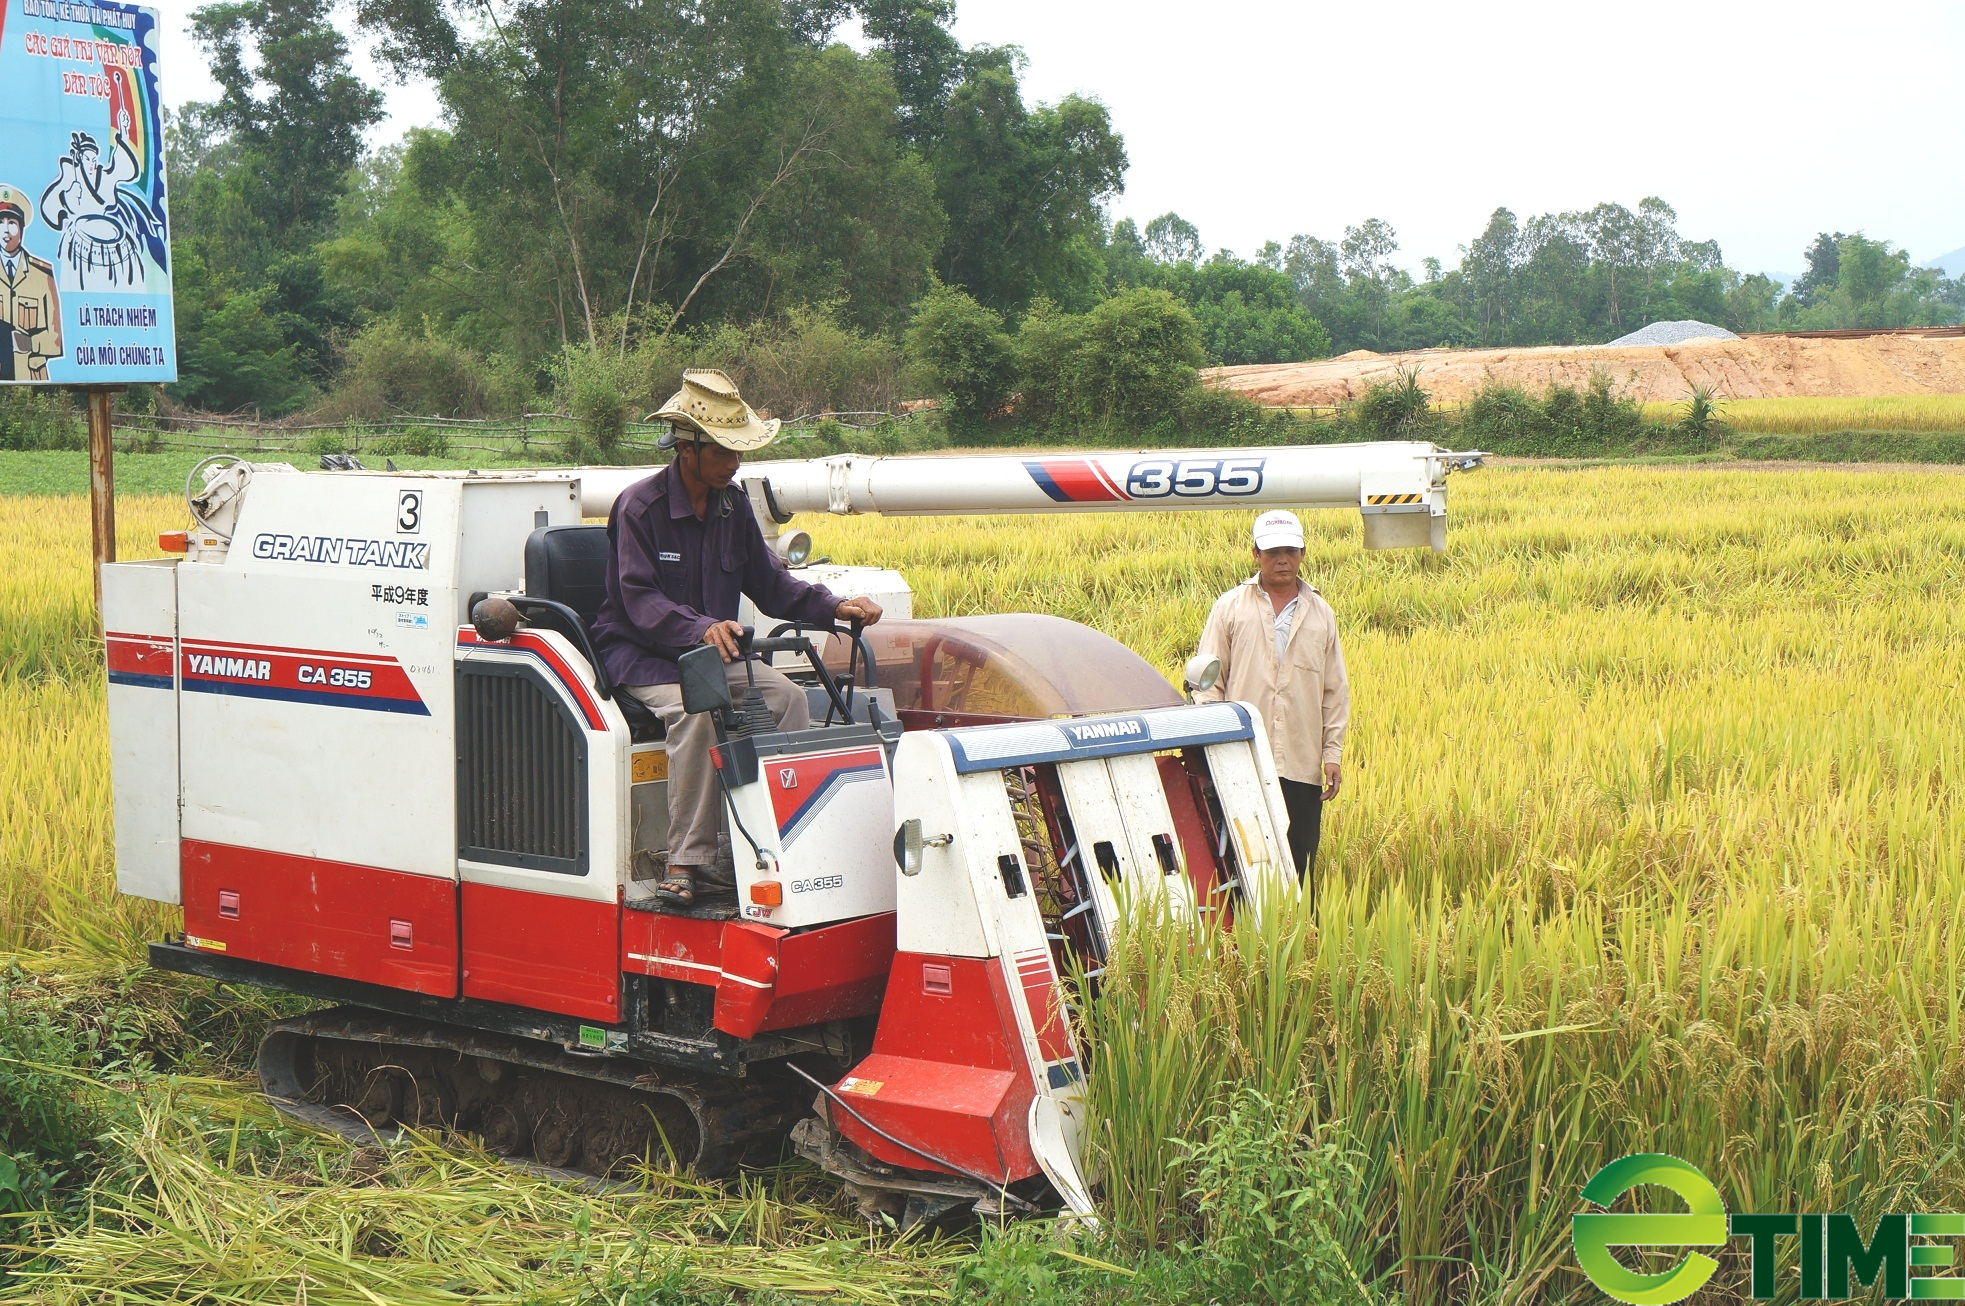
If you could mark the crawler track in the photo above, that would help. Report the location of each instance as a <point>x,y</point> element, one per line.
<point>364,1074</point>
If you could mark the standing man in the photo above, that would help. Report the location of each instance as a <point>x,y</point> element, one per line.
<point>1277,642</point>
<point>30,307</point>
<point>685,545</point>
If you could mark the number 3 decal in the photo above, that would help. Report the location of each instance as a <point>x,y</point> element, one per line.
<point>409,512</point>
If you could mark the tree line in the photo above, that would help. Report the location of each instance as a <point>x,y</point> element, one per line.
<point>621,186</point>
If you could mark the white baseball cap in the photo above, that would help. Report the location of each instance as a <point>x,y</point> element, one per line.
<point>1278,529</point>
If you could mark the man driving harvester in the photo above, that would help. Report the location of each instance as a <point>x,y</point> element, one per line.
<point>684,545</point>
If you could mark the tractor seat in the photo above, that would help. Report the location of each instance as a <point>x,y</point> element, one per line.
<point>568,565</point>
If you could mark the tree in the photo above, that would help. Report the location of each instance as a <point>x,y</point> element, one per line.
<point>961,349</point>
<point>1614,238</point>
<point>923,57</point>
<point>288,101</point>
<point>1490,264</point>
<point>614,155</point>
<point>1824,270</point>
<point>1171,238</point>
<point>1023,188</point>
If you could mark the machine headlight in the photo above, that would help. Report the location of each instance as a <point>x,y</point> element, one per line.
<point>795,547</point>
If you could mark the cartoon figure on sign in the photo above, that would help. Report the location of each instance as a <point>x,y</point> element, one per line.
<point>98,220</point>
<point>30,308</point>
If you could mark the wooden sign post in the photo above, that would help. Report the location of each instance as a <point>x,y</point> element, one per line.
<point>102,484</point>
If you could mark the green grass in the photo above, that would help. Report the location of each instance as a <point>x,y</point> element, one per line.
<point>67,471</point>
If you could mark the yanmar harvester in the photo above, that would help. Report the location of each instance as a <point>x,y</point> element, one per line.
<point>449,830</point>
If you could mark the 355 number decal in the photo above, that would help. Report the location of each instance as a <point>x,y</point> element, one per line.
<point>1194,478</point>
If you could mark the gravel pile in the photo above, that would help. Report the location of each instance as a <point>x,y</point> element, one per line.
<point>1672,333</point>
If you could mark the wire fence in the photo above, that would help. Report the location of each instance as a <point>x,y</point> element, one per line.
<point>542,435</point>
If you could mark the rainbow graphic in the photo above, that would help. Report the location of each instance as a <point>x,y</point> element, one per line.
<point>1074,480</point>
<point>133,98</point>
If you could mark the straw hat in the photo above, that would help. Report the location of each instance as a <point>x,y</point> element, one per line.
<point>709,402</point>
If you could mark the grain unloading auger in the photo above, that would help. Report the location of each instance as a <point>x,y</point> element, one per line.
<point>358,795</point>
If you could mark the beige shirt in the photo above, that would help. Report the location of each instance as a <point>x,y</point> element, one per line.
<point>1303,695</point>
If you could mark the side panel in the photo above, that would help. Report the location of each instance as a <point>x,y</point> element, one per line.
<point>315,677</point>
<point>765,978</point>
<point>333,918</point>
<point>947,1072</point>
<point>139,617</point>
<point>544,951</point>
<point>832,973</point>
<point>826,817</point>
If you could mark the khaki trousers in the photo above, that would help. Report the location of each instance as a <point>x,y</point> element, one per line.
<point>695,800</point>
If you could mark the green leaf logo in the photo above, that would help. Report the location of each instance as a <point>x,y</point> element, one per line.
<point>1595,1233</point>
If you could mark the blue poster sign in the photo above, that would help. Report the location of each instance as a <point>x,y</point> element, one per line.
<point>85,255</point>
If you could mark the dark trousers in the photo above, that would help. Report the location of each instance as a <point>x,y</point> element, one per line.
<point>1305,804</point>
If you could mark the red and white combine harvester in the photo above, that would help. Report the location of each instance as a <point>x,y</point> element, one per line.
<point>447,829</point>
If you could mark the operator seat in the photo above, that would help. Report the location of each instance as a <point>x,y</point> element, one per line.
<point>568,564</point>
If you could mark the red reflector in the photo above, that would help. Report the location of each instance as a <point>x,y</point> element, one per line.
<point>400,935</point>
<point>939,980</point>
<point>767,893</point>
<point>174,541</point>
<point>716,756</point>
<point>228,904</point>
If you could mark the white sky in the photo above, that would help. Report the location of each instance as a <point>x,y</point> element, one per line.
<point>1762,123</point>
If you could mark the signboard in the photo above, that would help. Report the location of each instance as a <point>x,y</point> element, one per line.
<point>85,269</point>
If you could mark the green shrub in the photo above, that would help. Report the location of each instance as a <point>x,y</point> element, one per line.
<point>46,1123</point>
<point>961,353</point>
<point>1701,419</point>
<point>1270,1202</point>
<point>1046,354</point>
<point>805,361</point>
<point>1139,359</point>
<point>591,385</point>
<point>389,370</point>
<point>327,442</point>
<point>809,361</point>
<point>31,419</point>
<point>1399,409</point>
<point>1564,422</point>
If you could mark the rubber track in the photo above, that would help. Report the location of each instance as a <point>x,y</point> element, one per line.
<point>364,1074</point>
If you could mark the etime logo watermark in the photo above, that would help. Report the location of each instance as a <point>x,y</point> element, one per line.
<point>1833,1253</point>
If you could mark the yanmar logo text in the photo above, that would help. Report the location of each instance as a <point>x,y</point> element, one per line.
<point>344,550</point>
<point>204,664</point>
<point>1093,731</point>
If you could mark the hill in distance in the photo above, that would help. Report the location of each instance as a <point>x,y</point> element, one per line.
<point>1953,263</point>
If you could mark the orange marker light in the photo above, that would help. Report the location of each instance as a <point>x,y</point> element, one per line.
<point>767,893</point>
<point>174,541</point>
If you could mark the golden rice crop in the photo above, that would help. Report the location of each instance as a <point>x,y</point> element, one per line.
<point>1813,415</point>
<point>1651,839</point>
<point>56,875</point>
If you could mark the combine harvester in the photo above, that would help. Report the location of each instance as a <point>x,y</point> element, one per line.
<point>368,782</point>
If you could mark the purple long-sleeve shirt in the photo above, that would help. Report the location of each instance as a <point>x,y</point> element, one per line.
<point>672,576</point>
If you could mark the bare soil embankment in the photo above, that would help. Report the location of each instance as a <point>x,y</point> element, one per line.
<point>1753,367</point>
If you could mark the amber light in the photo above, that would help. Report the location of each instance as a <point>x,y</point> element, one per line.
<point>174,541</point>
<point>767,893</point>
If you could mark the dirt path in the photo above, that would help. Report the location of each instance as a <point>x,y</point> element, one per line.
<point>1754,367</point>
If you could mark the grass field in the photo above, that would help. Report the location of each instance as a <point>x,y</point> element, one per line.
<point>1651,839</point>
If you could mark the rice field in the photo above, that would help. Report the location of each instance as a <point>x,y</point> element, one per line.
<point>1822,416</point>
<point>1651,839</point>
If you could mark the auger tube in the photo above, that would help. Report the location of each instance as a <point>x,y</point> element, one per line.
<point>1399,487</point>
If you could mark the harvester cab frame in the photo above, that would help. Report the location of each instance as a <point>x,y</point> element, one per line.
<point>360,735</point>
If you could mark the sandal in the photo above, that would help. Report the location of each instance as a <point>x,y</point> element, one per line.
<point>678,886</point>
